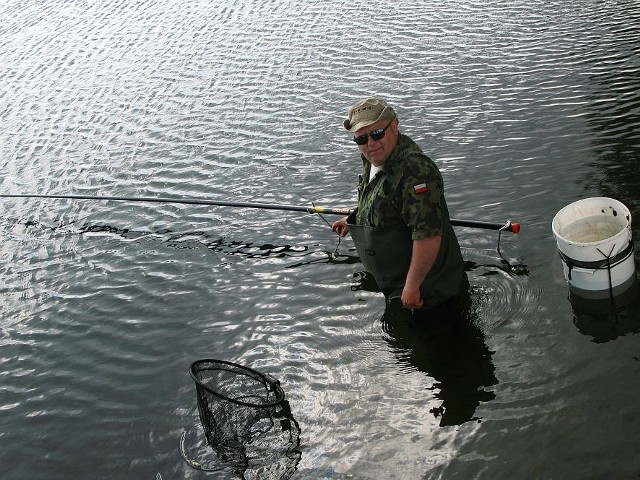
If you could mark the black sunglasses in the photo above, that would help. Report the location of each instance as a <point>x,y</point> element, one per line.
<point>377,134</point>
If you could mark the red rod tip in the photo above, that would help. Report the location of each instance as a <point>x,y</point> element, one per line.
<point>515,227</point>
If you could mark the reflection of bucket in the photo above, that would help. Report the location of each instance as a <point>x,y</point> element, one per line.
<point>595,244</point>
<point>606,318</point>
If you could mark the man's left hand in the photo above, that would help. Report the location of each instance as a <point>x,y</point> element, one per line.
<point>411,298</point>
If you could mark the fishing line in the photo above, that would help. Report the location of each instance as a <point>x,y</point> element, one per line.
<point>335,253</point>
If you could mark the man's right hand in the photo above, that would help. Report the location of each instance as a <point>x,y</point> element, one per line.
<point>340,227</point>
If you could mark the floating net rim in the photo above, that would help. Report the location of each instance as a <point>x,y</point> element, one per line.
<point>273,384</point>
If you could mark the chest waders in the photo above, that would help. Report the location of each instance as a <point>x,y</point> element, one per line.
<point>386,252</point>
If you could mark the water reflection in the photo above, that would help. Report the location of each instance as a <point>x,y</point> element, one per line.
<point>457,358</point>
<point>513,269</point>
<point>607,319</point>
<point>202,239</point>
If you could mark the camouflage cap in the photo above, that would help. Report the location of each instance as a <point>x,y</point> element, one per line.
<point>367,112</point>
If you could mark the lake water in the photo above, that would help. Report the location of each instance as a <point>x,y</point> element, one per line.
<point>525,106</point>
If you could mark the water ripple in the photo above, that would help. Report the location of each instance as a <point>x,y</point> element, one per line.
<point>525,107</point>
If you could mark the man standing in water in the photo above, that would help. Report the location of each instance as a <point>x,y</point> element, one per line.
<point>401,228</point>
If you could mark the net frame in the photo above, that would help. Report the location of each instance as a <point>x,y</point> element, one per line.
<point>270,384</point>
<point>245,419</point>
<point>235,404</point>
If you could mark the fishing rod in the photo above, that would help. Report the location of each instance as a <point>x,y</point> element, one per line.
<point>502,227</point>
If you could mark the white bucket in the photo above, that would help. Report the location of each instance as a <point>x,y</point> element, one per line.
<point>595,244</point>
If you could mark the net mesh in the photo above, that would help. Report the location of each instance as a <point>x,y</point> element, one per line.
<point>246,420</point>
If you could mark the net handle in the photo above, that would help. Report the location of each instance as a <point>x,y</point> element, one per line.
<point>274,385</point>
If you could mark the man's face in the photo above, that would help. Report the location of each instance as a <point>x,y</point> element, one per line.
<point>377,151</point>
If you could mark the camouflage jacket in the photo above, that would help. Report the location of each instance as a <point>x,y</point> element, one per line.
<point>408,189</point>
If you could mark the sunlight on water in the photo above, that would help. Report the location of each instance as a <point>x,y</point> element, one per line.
<point>525,107</point>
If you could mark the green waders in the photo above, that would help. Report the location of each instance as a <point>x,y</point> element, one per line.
<point>386,252</point>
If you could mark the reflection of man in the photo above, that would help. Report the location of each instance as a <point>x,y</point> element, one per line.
<point>401,228</point>
<point>457,359</point>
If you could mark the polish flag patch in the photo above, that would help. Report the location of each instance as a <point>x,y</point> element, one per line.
<point>420,188</point>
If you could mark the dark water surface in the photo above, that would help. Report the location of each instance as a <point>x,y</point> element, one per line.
<point>526,107</point>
